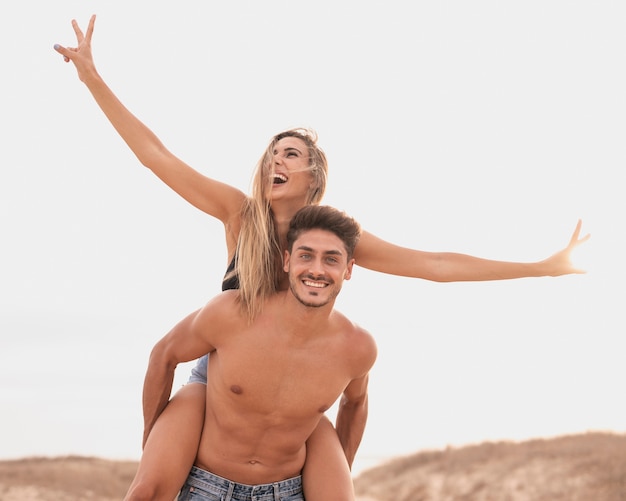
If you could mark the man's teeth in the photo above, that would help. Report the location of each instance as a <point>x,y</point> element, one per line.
<point>314,284</point>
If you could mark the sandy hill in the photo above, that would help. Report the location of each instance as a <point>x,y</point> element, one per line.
<point>589,467</point>
<point>65,479</point>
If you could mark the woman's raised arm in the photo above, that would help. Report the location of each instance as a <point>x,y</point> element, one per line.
<point>213,197</point>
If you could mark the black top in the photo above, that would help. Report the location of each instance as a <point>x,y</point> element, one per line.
<point>233,281</point>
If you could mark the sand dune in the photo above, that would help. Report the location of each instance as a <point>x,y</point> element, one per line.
<point>587,467</point>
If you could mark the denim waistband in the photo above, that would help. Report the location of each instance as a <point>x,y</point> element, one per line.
<point>207,481</point>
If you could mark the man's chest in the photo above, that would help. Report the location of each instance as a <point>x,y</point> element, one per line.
<point>267,378</point>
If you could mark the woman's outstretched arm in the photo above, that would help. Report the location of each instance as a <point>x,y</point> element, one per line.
<point>213,197</point>
<point>378,255</point>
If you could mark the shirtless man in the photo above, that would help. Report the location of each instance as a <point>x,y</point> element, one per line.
<point>271,380</point>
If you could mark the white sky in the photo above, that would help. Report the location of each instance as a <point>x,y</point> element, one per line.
<point>481,127</point>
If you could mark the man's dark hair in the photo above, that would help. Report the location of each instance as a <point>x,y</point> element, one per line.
<point>323,217</point>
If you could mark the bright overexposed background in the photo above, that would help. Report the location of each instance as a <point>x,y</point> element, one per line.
<point>480,127</point>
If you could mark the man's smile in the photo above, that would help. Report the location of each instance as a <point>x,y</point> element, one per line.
<point>316,284</point>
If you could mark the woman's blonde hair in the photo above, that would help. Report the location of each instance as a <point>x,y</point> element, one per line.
<point>259,254</point>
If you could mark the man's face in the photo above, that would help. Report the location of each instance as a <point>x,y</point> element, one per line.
<point>317,266</point>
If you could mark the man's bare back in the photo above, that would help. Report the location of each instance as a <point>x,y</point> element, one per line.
<point>270,382</point>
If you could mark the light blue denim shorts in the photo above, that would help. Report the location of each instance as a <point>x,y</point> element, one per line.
<point>202,485</point>
<point>199,372</point>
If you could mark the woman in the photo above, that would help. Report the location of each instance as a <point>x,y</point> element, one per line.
<point>291,173</point>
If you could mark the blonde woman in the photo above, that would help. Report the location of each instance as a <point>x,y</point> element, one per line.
<point>290,174</point>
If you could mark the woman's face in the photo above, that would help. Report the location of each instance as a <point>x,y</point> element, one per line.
<point>290,172</point>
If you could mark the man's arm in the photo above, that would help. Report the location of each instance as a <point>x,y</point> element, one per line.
<point>352,417</point>
<point>188,340</point>
<point>157,385</point>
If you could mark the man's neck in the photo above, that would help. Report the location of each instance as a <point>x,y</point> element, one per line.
<point>299,318</point>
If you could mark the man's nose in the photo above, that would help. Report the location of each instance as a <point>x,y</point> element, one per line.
<point>316,267</point>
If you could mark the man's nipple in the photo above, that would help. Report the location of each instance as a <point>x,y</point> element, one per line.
<point>236,389</point>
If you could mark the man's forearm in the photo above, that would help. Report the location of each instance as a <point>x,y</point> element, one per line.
<point>350,425</point>
<point>157,388</point>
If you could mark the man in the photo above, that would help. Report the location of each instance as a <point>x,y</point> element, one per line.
<point>271,379</point>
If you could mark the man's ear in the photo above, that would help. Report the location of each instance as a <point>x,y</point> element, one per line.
<point>348,273</point>
<point>286,261</point>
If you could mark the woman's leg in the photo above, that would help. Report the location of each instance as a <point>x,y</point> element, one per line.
<point>171,448</point>
<point>326,475</point>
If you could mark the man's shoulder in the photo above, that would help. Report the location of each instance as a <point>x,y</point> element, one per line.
<point>354,332</point>
<point>224,299</point>
<point>361,348</point>
<point>223,306</point>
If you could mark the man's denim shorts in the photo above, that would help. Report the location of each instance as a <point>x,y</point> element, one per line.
<point>204,486</point>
